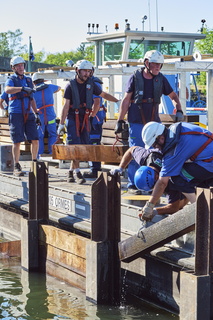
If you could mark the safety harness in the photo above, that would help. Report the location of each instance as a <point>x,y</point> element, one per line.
<point>44,105</point>
<point>77,105</point>
<point>139,92</point>
<point>196,154</point>
<point>172,141</point>
<point>21,95</point>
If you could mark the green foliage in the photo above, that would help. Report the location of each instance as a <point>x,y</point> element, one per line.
<point>60,59</point>
<point>205,46</point>
<point>10,43</point>
<point>39,56</point>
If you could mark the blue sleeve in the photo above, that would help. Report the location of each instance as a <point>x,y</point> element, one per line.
<point>53,87</point>
<point>9,83</point>
<point>99,85</point>
<point>4,96</point>
<point>167,88</point>
<point>97,90</point>
<point>130,86</point>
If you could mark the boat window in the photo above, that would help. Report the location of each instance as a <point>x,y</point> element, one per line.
<point>112,50</point>
<point>173,48</point>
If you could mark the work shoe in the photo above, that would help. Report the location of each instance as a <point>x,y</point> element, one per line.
<point>90,174</point>
<point>79,178</point>
<point>70,177</point>
<point>134,190</point>
<point>18,171</point>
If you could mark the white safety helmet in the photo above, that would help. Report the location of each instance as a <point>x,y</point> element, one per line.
<point>84,64</point>
<point>16,60</point>
<point>154,56</point>
<point>150,132</point>
<point>37,76</point>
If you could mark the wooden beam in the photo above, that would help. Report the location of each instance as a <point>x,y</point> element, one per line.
<point>11,248</point>
<point>82,152</point>
<point>158,234</point>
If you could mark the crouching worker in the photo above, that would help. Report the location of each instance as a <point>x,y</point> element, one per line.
<point>150,162</point>
<point>187,159</point>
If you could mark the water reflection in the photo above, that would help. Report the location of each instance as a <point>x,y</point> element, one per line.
<point>35,296</point>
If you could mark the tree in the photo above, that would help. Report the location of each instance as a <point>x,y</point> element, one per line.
<point>10,43</point>
<point>39,56</point>
<point>60,59</point>
<point>204,46</point>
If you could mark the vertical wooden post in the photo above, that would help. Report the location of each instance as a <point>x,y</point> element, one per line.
<point>38,212</point>
<point>196,289</point>
<point>38,191</point>
<point>103,263</point>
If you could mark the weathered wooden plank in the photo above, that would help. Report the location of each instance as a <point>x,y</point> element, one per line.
<point>11,248</point>
<point>63,240</point>
<point>112,141</point>
<point>89,152</point>
<point>4,120</point>
<point>4,126</point>
<point>66,275</point>
<point>171,118</point>
<point>4,133</point>
<point>65,259</point>
<point>158,234</point>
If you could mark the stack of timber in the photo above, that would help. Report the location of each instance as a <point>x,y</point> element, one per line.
<point>108,134</point>
<point>5,137</point>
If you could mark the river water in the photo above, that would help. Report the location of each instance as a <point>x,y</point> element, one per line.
<point>36,296</point>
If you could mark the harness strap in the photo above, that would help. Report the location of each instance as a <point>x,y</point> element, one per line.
<point>196,154</point>
<point>86,120</point>
<point>24,96</point>
<point>77,122</point>
<point>142,114</point>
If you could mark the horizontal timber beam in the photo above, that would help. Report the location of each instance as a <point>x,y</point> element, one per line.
<point>158,234</point>
<point>105,153</point>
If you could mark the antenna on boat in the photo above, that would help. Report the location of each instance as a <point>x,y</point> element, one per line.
<point>157,14</point>
<point>143,20</point>
<point>149,16</point>
<point>127,26</point>
<point>203,21</point>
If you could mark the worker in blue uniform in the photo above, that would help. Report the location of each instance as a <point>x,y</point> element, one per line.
<point>150,164</point>
<point>141,104</point>
<point>182,144</point>
<point>23,115</point>
<point>44,97</point>
<point>96,128</point>
<point>79,110</point>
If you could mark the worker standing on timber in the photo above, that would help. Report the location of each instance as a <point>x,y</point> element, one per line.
<point>180,143</point>
<point>45,105</point>
<point>23,115</point>
<point>80,111</point>
<point>141,102</point>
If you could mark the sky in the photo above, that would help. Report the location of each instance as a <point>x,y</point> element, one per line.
<point>58,26</point>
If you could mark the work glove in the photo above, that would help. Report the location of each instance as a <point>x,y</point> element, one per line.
<point>148,212</point>
<point>91,123</point>
<point>179,116</point>
<point>28,90</point>
<point>60,129</point>
<point>118,170</point>
<point>120,126</point>
<point>37,119</point>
